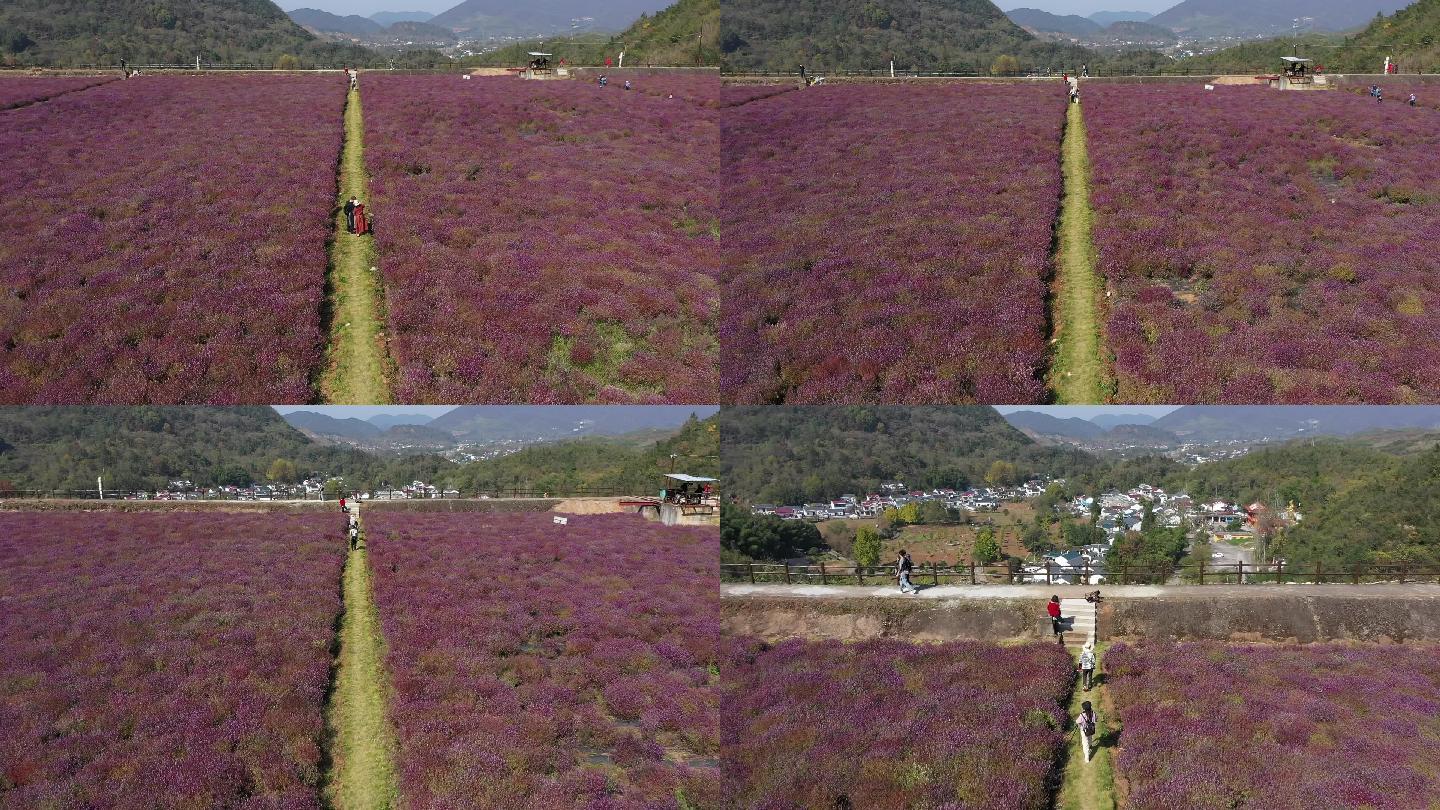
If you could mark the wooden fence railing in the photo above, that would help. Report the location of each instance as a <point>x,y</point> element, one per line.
<point>1051,574</point>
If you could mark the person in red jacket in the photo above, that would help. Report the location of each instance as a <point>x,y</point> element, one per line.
<point>1053,608</point>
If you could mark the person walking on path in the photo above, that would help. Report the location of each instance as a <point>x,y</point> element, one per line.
<point>902,572</point>
<point>1085,722</point>
<point>1087,664</point>
<point>354,536</point>
<point>343,508</point>
<point>362,225</point>
<point>350,215</point>
<point>1053,608</point>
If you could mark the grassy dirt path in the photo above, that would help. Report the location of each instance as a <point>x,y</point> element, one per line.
<point>1090,785</point>
<point>1079,371</point>
<point>357,367</point>
<point>362,750</point>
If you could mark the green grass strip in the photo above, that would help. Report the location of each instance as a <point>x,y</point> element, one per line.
<point>362,774</point>
<point>1079,369</point>
<point>357,366</point>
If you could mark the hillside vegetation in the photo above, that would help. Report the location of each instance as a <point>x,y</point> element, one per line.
<point>89,32</point>
<point>603,464</point>
<point>797,454</point>
<point>144,447</point>
<point>961,36</point>
<point>684,34</point>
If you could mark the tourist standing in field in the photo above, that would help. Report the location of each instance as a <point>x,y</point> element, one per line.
<point>1412,99</point>
<point>903,567</point>
<point>1053,608</point>
<point>1087,664</point>
<point>350,216</point>
<point>354,537</point>
<point>342,504</point>
<point>1085,721</point>
<point>362,226</point>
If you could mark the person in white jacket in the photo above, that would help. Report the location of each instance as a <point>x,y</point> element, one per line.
<point>1087,664</point>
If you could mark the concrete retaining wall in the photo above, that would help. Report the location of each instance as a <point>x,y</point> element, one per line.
<point>1263,617</point>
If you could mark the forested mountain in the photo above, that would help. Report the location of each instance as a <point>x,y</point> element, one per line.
<point>599,463</point>
<point>144,447</point>
<point>88,32</point>
<point>1391,516</point>
<point>935,35</point>
<point>137,448</point>
<point>687,33</point>
<point>795,454</point>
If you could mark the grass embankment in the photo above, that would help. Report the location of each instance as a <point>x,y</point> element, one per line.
<point>362,750</point>
<point>1079,370</point>
<point>357,367</point>
<point>1091,785</point>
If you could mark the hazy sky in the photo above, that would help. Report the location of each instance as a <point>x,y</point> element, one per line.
<point>1089,411</point>
<point>1087,7</point>
<point>366,411</point>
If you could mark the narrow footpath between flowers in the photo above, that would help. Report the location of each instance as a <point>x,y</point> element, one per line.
<point>361,739</point>
<point>1079,370</point>
<point>1090,785</point>
<point>357,366</point>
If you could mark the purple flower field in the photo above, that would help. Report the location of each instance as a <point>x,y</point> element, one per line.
<point>166,241</point>
<point>1210,725</point>
<point>696,88</point>
<point>891,725</point>
<point>733,95</point>
<point>17,91</point>
<point>544,241</point>
<point>171,660</point>
<point>889,243</point>
<point>538,665</point>
<point>1266,247</point>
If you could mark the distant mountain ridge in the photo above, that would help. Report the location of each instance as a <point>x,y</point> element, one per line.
<point>388,18</point>
<point>1240,17</point>
<point>492,422</point>
<point>352,24</point>
<point>501,17</point>
<point>1036,20</point>
<point>1105,18</point>
<point>1218,423</point>
<point>1223,422</point>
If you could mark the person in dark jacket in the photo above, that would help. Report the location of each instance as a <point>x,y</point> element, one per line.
<point>903,567</point>
<point>350,215</point>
